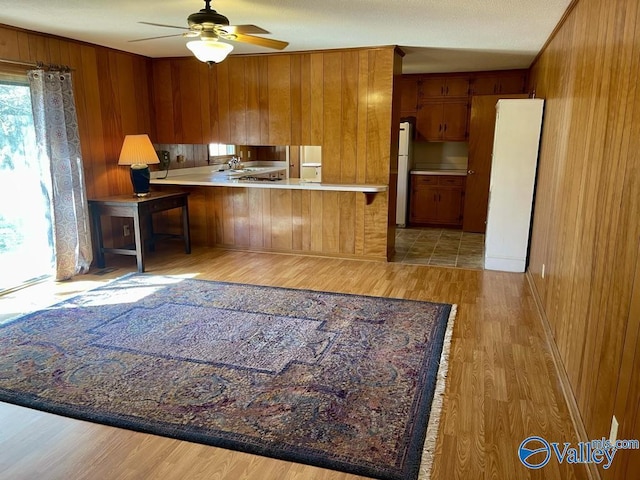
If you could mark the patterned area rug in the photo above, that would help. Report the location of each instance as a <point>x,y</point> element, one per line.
<point>339,381</point>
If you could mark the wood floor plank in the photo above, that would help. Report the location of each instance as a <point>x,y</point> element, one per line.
<point>501,383</point>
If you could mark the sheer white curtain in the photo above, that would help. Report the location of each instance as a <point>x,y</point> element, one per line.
<point>58,144</point>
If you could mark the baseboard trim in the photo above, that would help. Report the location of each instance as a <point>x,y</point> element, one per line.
<point>576,419</point>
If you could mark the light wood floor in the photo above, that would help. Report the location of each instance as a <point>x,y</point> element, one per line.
<point>501,387</point>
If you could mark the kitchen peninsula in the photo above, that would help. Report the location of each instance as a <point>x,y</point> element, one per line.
<point>240,210</point>
<point>213,177</point>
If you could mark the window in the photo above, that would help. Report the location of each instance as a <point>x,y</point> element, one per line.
<point>26,237</point>
<point>220,149</point>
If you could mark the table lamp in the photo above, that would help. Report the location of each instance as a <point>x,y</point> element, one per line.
<point>138,152</point>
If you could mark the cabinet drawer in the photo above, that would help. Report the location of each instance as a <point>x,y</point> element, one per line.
<point>425,180</point>
<point>451,180</point>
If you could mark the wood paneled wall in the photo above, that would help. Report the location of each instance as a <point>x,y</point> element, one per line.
<point>587,212</point>
<point>339,99</point>
<point>112,99</point>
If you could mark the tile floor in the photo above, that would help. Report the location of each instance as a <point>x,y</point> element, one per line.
<point>437,246</point>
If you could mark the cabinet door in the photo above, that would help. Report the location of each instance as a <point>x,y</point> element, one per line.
<point>455,121</point>
<point>423,205</point>
<point>432,87</point>
<point>450,205</point>
<point>485,86</point>
<point>439,87</point>
<point>457,87</point>
<point>514,83</point>
<point>408,95</point>
<point>429,121</point>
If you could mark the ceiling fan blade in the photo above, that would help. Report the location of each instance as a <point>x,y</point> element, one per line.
<point>154,38</point>
<point>163,25</point>
<point>235,29</point>
<point>263,42</point>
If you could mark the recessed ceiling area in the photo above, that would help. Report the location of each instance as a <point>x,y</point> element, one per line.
<point>437,36</point>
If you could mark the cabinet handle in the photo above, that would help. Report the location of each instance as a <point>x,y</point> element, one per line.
<point>442,90</point>
<point>440,128</point>
<point>445,127</point>
<point>447,92</point>
<point>470,172</point>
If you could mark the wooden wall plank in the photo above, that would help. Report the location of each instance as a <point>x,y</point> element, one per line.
<point>237,101</point>
<point>241,217</point>
<point>9,44</point>
<point>305,100</point>
<point>363,112</point>
<point>349,124</point>
<point>222,106</point>
<point>317,94</point>
<point>347,240</point>
<point>279,88</point>
<point>281,219</point>
<point>256,227</point>
<point>252,74</point>
<point>163,102</point>
<point>263,71</point>
<point>296,100</point>
<point>332,117</point>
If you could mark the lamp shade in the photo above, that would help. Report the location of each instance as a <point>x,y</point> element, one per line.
<point>137,150</point>
<point>209,51</point>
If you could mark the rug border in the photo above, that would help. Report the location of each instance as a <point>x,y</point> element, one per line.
<point>418,465</point>
<point>429,449</point>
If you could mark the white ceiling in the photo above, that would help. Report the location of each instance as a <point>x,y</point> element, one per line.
<point>439,36</point>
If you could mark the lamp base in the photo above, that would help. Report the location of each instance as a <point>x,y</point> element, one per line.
<point>140,178</point>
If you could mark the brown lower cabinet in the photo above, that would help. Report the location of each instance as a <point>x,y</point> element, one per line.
<point>436,200</point>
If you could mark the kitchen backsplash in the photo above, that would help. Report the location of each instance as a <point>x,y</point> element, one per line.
<point>192,155</point>
<point>440,155</point>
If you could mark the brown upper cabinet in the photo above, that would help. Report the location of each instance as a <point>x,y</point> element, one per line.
<point>442,121</point>
<point>408,95</point>
<point>443,87</point>
<point>512,82</point>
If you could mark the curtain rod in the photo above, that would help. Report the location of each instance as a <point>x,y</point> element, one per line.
<point>51,66</point>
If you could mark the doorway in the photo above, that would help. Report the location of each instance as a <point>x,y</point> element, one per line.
<point>26,236</point>
<point>439,246</point>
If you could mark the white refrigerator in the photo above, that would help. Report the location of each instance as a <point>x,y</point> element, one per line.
<point>405,152</point>
<point>513,174</point>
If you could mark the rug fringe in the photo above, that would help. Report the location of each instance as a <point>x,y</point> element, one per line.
<point>428,452</point>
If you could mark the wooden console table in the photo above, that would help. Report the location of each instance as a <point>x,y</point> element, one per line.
<point>140,209</point>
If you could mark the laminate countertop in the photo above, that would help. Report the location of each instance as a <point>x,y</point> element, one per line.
<point>461,173</point>
<point>212,177</point>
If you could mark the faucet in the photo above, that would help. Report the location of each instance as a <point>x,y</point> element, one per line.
<point>234,163</point>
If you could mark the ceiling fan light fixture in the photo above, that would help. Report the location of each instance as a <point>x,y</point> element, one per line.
<point>209,51</point>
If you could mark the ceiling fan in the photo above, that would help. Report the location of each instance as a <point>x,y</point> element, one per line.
<point>211,26</point>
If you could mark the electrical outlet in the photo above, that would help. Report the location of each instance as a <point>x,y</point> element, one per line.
<point>126,231</point>
<point>543,270</point>
<point>613,435</point>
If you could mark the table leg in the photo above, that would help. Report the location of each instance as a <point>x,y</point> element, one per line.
<point>185,228</point>
<point>97,231</point>
<point>151,238</point>
<point>137,231</point>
